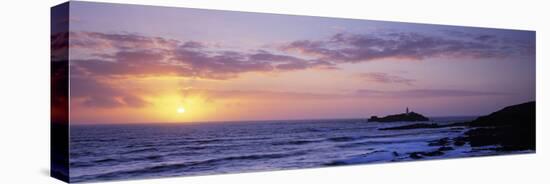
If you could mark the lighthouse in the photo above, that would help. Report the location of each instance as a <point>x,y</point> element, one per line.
<point>407,110</point>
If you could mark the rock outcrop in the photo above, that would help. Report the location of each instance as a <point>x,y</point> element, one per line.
<point>513,128</point>
<point>410,116</point>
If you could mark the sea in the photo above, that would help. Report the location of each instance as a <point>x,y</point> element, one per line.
<point>120,152</point>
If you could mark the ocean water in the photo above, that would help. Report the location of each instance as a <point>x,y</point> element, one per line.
<point>109,152</point>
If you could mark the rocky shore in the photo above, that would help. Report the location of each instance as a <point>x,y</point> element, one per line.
<point>512,128</point>
<point>509,129</point>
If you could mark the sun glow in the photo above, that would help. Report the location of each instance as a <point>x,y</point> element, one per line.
<point>180,110</point>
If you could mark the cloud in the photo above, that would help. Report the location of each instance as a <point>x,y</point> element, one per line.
<point>108,56</point>
<point>472,36</point>
<point>384,78</point>
<point>345,47</point>
<point>138,62</point>
<point>100,57</point>
<point>134,101</point>
<point>521,44</point>
<point>98,94</point>
<point>124,41</point>
<point>130,54</point>
<point>217,65</point>
<point>59,46</point>
<point>425,93</point>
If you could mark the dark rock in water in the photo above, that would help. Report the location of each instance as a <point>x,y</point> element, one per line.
<point>460,141</point>
<point>433,153</point>
<point>513,128</point>
<point>410,116</point>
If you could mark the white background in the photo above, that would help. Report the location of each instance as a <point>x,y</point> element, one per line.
<point>24,90</point>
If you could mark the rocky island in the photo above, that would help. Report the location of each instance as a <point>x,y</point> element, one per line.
<point>407,116</point>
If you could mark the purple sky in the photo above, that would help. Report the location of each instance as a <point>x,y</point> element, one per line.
<point>136,62</point>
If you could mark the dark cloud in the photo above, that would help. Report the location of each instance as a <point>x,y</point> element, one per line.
<point>113,55</point>
<point>134,101</point>
<point>297,65</point>
<point>135,62</point>
<point>521,44</point>
<point>141,55</point>
<point>102,101</point>
<point>119,55</point>
<point>97,40</point>
<point>131,54</point>
<point>263,55</point>
<point>384,78</point>
<point>425,93</point>
<point>59,46</point>
<point>345,47</point>
<point>193,45</point>
<point>98,94</point>
<point>285,62</point>
<point>471,36</point>
<point>218,65</point>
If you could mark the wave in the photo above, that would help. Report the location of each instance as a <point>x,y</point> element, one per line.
<point>296,142</point>
<point>75,154</point>
<point>113,161</point>
<point>355,138</point>
<point>372,143</point>
<point>209,141</point>
<point>93,140</point>
<point>82,164</point>
<point>342,139</point>
<point>179,167</point>
<point>375,156</point>
<point>140,150</point>
<point>105,160</point>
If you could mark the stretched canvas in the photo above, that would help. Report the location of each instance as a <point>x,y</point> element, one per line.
<point>147,91</point>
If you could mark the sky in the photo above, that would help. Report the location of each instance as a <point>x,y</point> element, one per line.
<point>148,64</point>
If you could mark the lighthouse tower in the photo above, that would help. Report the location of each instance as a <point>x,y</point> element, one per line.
<point>407,110</point>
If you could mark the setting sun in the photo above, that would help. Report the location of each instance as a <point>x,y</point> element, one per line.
<point>180,110</point>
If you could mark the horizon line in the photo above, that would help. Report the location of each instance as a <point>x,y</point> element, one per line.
<point>244,121</point>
